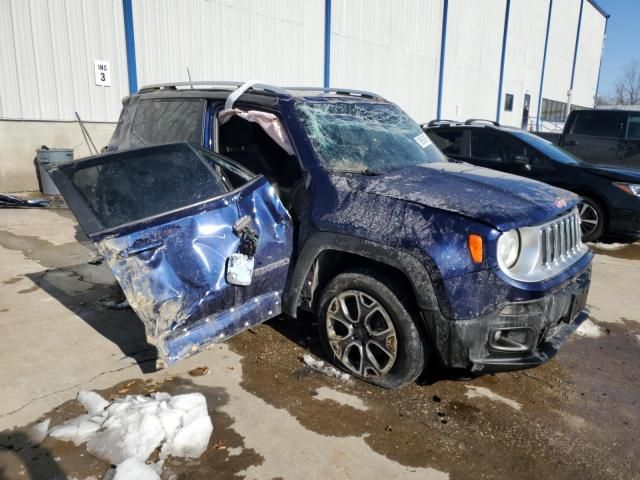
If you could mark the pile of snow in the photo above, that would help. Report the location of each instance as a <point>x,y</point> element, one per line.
<point>321,367</point>
<point>128,430</point>
<point>589,329</point>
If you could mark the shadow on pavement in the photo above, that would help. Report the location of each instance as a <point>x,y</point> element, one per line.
<point>38,461</point>
<point>121,327</point>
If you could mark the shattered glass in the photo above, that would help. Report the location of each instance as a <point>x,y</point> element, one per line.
<point>365,136</point>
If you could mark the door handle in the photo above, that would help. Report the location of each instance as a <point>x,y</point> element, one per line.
<point>147,247</point>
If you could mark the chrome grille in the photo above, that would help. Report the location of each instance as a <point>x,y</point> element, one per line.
<point>560,239</point>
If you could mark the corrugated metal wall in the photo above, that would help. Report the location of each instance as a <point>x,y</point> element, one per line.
<point>276,41</point>
<point>523,60</point>
<point>562,42</point>
<point>47,50</point>
<point>589,52</point>
<point>472,63</point>
<point>392,48</point>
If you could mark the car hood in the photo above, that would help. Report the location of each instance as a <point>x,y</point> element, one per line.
<point>615,173</point>
<point>495,198</point>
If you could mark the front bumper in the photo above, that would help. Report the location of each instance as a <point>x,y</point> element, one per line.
<point>518,334</point>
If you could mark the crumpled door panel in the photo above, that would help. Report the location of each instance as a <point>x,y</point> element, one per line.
<point>173,272</point>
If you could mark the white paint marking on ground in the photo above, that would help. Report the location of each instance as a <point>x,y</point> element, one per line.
<point>482,392</point>
<point>326,393</point>
<point>589,329</point>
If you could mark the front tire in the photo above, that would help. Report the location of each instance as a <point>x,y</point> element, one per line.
<point>366,328</point>
<point>592,219</point>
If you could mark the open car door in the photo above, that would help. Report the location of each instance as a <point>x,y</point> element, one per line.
<point>200,246</point>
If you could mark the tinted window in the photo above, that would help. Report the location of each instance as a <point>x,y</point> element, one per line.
<point>125,187</point>
<point>599,123</point>
<point>448,141</point>
<point>546,148</point>
<point>167,121</point>
<point>633,129</point>
<point>497,148</point>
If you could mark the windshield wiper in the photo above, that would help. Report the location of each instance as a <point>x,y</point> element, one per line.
<point>365,171</point>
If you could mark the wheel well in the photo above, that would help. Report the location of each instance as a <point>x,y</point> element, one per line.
<point>331,263</point>
<point>597,198</point>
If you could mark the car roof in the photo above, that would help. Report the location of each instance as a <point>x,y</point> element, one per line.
<point>259,93</point>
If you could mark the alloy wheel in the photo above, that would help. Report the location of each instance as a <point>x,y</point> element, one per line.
<point>361,333</point>
<point>589,219</point>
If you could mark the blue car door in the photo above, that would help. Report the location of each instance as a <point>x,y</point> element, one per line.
<point>200,247</point>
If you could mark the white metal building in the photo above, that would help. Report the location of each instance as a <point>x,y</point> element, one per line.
<point>450,59</point>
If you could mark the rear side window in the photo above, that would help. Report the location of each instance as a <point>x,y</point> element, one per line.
<point>599,123</point>
<point>167,121</point>
<point>448,141</point>
<point>633,129</point>
<point>496,148</point>
<point>136,184</point>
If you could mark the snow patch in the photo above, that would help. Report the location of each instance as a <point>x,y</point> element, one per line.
<point>321,367</point>
<point>132,468</point>
<point>325,393</point>
<point>589,329</point>
<point>608,246</point>
<point>482,392</point>
<point>130,429</point>
<point>92,402</point>
<point>38,432</point>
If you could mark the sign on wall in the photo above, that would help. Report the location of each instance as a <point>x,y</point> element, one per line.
<point>102,71</point>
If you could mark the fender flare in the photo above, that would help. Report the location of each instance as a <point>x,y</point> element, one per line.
<point>425,281</point>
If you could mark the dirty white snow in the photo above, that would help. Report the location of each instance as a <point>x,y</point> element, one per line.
<point>608,246</point>
<point>133,427</point>
<point>132,468</point>
<point>482,392</point>
<point>589,329</point>
<point>325,393</point>
<point>322,367</point>
<point>38,432</point>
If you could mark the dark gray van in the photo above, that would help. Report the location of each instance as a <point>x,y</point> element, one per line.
<point>610,137</point>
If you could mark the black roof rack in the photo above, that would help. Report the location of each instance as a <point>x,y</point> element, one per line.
<point>471,121</point>
<point>437,123</point>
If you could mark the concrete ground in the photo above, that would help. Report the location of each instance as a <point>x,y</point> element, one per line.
<point>575,417</point>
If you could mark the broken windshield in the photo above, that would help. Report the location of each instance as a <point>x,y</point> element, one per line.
<point>363,136</point>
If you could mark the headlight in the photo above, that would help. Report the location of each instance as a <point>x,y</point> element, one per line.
<point>509,248</point>
<point>630,188</point>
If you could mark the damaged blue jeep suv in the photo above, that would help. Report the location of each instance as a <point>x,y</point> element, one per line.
<point>220,205</point>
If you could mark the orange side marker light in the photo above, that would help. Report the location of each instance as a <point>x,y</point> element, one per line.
<point>476,248</point>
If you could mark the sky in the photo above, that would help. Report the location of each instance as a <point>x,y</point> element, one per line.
<point>623,40</point>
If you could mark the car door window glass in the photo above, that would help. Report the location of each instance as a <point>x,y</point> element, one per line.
<point>599,123</point>
<point>448,141</point>
<point>496,148</point>
<point>633,128</point>
<point>136,184</point>
<point>168,121</point>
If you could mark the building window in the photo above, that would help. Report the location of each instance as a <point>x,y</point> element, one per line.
<point>553,111</point>
<point>508,103</point>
